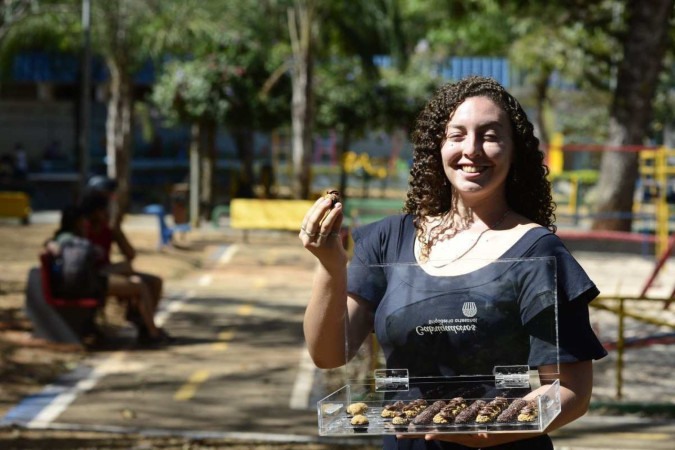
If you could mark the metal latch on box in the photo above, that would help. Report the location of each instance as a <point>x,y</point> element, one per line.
<point>512,376</point>
<point>388,380</point>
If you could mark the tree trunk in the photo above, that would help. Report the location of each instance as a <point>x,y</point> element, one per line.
<point>644,49</point>
<point>119,125</point>
<point>541,99</point>
<point>300,25</point>
<point>208,167</point>
<point>195,172</point>
<point>243,138</point>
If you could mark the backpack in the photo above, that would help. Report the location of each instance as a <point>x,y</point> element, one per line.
<point>75,271</point>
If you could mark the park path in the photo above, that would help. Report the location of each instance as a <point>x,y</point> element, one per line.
<point>239,368</point>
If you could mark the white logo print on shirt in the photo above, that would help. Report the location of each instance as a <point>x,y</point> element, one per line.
<point>469,309</point>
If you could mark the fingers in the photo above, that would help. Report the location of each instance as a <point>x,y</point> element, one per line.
<point>321,223</point>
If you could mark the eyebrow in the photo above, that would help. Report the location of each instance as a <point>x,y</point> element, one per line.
<point>490,124</point>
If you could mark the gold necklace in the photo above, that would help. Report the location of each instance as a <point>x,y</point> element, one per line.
<point>443,263</point>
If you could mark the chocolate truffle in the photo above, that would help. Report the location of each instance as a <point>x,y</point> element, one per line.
<point>334,196</point>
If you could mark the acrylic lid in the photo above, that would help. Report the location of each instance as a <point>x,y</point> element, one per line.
<point>457,320</point>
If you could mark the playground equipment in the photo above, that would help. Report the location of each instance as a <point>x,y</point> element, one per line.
<point>655,191</point>
<point>655,194</point>
<point>658,182</point>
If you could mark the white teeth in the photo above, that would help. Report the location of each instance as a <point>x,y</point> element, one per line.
<point>471,169</point>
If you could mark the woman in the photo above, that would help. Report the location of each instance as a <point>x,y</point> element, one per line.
<point>478,194</point>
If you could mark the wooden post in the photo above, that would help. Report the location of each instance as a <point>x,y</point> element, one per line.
<point>620,344</point>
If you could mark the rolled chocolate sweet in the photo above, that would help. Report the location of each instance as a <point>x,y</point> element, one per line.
<point>426,417</point>
<point>450,411</point>
<point>469,414</point>
<point>510,414</point>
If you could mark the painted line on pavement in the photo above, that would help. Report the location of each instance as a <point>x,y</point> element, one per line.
<point>223,338</point>
<point>215,256</point>
<point>303,382</point>
<point>259,283</point>
<point>205,280</point>
<point>60,402</point>
<point>42,408</point>
<point>163,314</point>
<point>188,390</point>
<point>245,310</point>
<point>228,254</point>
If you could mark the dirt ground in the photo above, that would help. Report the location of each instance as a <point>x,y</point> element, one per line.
<point>28,364</point>
<point>53,440</point>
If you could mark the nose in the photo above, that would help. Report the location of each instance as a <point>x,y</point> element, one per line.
<point>473,146</point>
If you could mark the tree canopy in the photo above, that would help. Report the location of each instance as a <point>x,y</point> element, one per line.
<point>252,64</point>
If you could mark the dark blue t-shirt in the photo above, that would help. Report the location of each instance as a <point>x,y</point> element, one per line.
<point>498,315</point>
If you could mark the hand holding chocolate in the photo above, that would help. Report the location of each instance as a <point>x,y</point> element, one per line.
<point>334,197</point>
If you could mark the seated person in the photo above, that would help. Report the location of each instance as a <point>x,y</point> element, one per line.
<point>103,234</point>
<point>143,290</point>
<point>73,271</point>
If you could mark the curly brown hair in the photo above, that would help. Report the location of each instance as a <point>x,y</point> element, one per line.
<point>528,190</point>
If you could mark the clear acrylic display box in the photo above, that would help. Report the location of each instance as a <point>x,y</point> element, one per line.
<point>474,331</point>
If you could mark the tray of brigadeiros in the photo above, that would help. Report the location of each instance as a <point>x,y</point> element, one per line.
<point>455,415</point>
<point>466,362</point>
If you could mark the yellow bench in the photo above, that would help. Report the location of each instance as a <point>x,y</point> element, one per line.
<point>268,214</point>
<point>15,204</point>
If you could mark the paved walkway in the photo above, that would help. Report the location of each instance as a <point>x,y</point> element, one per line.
<point>239,368</point>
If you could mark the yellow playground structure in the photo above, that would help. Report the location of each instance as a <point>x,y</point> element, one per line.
<point>654,193</point>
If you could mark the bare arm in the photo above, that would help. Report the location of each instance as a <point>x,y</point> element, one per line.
<point>123,243</point>
<point>576,383</point>
<point>330,315</point>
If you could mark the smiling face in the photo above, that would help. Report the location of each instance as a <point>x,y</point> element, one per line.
<point>478,150</point>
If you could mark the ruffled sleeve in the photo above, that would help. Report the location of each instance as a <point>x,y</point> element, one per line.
<point>576,340</point>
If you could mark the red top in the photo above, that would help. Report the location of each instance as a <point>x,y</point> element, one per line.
<point>103,238</point>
